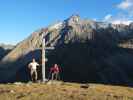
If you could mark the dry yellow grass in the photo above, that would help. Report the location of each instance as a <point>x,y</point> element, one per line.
<point>64,91</point>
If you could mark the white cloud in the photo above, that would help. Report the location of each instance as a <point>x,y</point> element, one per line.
<point>108,17</point>
<point>126,4</point>
<point>94,19</point>
<point>118,19</point>
<point>125,14</point>
<point>121,22</point>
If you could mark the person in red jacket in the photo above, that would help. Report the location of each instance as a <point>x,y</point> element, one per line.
<point>55,72</point>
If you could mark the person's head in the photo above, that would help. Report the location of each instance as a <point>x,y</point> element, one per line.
<point>55,65</point>
<point>33,60</point>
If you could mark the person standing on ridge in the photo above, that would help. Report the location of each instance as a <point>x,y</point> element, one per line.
<point>55,72</point>
<point>33,69</point>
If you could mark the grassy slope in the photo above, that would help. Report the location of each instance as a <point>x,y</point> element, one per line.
<point>64,91</point>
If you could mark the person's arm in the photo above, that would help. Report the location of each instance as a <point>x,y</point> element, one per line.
<point>29,65</point>
<point>59,68</point>
<point>51,69</point>
<point>37,64</point>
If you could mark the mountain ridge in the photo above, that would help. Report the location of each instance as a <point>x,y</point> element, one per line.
<point>94,45</point>
<point>5,49</point>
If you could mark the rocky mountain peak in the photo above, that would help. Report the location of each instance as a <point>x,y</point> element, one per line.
<point>74,19</point>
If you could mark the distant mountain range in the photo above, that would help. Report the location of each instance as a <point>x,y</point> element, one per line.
<point>5,49</point>
<point>86,50</point>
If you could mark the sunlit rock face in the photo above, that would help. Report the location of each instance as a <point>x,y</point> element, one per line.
<point>86,50</point>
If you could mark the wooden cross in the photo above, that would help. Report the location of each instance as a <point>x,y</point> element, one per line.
<point>44,48</point>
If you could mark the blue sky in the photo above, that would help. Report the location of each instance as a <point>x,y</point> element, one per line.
<point>19,18</point>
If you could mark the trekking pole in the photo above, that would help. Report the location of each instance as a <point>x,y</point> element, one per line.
<point>58,77</point>
<point>49,76</point>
